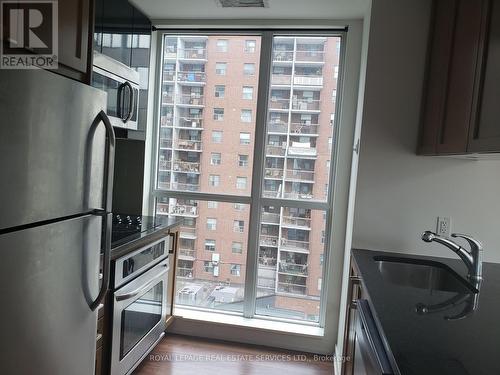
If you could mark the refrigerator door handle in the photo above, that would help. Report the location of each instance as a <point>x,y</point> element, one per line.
<point>131,102</point>
<point>107,204</point>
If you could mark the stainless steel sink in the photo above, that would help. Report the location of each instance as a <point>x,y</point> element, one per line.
<point>422,274</point>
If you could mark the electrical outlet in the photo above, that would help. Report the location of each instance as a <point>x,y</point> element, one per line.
<point>443,227</point>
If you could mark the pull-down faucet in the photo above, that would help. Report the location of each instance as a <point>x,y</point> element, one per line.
<point>472,258</point>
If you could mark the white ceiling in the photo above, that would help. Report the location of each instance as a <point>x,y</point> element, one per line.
<point>278,9</point>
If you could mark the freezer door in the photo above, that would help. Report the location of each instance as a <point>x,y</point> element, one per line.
<point>48,278</point>
<point>52,164</point>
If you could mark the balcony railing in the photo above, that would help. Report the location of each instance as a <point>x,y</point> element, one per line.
<point>162,208</point>
<point>292,288</point>
<point>309,55</point>
<point>193,53</point>
<point>266,240</point>
<point>309,80</point>
<point>191,77</point>
<point>188,144</point>
<point>270,217</point>
<point>166,121</point>
<point>282,55</point>
<point>184,187</point>
<point>273,173</point>
<point>186,166</point>
<point>188,232</point>
<point>292,268</point>
<point>299,128</point>
<point>296,195</point>
<point>275,150</point>
<point>184,209</point>
<point>164,165</point>
<point>165,143</point>
<point>292,221</point>
<point>267,261</point>
<point>271,193</point>
<point>281,79</point>
<point>187,253</point>
<point>191,99</point>
<point>185,272</point>
<point>295,245</point>
<point>280,103</point>
<point>277,127</point>
<point>296,174</point>
<point>302,151</point>
<point>191,122</point>
<point>168,75</point>
<point>167,98</point>
<point>305,105</point>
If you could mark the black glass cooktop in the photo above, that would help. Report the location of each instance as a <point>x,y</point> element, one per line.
<point>128,227</point>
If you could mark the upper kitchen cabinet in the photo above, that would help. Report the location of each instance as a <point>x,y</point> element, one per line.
<point>461,114</point>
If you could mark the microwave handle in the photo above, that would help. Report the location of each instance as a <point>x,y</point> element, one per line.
<point>143,289</point>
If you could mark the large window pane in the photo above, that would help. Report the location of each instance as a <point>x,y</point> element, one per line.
<point>208,98</point>
<point>301,106</point>
<point>290,262</point>
<point>212,252</point>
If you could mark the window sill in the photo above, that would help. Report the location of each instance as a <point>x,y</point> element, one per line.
<point>255,323</point>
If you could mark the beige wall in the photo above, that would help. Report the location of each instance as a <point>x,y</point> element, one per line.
<point>400,194</point>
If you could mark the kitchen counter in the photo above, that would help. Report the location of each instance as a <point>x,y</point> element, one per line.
<point>164,226</point>
<point>429,344</point>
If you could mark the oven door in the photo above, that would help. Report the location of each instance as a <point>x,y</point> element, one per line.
<point>123,98</point>
<point>139,313</point>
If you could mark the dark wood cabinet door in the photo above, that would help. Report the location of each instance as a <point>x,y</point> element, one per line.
<point>456,39</point>
<point>485,134</point>
<point>75,38</point>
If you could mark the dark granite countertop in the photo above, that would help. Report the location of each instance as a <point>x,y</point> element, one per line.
<point>125,245</point>
<point>429,344</point>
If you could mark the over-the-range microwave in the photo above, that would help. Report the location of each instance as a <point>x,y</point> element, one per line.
<point>122,85</point>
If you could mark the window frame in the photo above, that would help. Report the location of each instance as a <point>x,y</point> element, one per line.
<point>255,200</point>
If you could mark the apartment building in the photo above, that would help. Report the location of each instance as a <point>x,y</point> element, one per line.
<point>206,143</point>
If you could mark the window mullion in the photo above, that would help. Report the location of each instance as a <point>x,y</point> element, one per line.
<point>257,174</point>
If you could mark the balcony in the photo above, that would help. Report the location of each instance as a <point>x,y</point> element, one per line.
<point>270,218</point>
<point>186,273</point>
<point>166,121</point>
<point>266,240</point>
<point>284,287</point>
<point>191,100</point>
<point>188,145</point>
<point>186,166</point>
<point>267,261</point>
<point>188,254</point>
<point>193,53</point>
<point>308,80</point>
<point>192,123</point>
<point>308,129</point>
<point>277,127</point>
<point>168,76</point>
<point>164,165</point>
<point>275,150</point>
<point>162,208</point>
<point>271,193</point>
<point>183,210</point>
<point>165,143</point>
<point>188,233</point>
<point>276,173</point>
<point>167,98</point>
<point>293,268</point>
<point>279,104</point>
<point>300,149</point>
<point>191,77</point>
<point>299,175</point>
<point>184,186</point>
<point>297,246</point>
<point>305,105</point>
<point>281,79</point>
<point>282,56</point>
<point>297,222</point>
<point>297,195</point>
<point>309,56</point>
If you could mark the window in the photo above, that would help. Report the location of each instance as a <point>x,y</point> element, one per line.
<point>216,136</point>
<point>244,138</point>
<point>250,46</point>
<point>235,269</point>
<point>336,72</point>
<point>222,45</point>
<point>208,266</point>
<point>211,223</point>
<point>319,283</point>
<point>237,247</point>
<point>218,114</point>
<point>248,92</point>
<point>241,183</point>
<point>214,180</point>
<point>220,91</point>
<point>221,69</point>
<point>246,115</point>
<point>239,206</point>
<point>249,69</point>
<point>210,245</point>
<point>212,204</point>
<point>243,160</point>
<point>215,158</point>
<point>239,226</point>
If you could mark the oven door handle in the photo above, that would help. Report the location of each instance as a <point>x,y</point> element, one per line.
<point>142,289</point>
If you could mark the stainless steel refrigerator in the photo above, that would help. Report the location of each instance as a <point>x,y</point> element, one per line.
<point>56,176</point>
